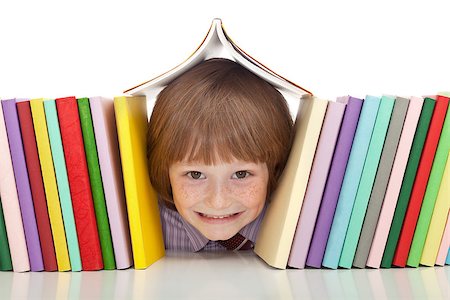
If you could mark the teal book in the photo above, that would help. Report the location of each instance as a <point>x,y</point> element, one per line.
<point>59,164</point>
<point>408,181</point>
<point>5,254</point>
<point>350,183</point>
<point>366,182</point>
<point>429,200</point>
<point>95,178</point>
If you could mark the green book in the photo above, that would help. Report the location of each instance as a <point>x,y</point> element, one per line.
<point>5,255</point>
<point>408,181</point>
<point>434,182</point>
<point>95,178</point>
<point>366,182</point>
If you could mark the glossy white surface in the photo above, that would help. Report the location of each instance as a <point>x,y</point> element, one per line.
<point>228,275</point>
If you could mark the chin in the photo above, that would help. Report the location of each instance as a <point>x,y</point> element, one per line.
<point>219,236</point>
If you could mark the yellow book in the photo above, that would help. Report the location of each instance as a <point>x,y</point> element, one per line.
<point>142,201</point>
<point>438,220</point>
<point>51,190</point>
<point>277,230</point>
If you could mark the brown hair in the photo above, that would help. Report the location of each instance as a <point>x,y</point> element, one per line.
<point>217,111</point>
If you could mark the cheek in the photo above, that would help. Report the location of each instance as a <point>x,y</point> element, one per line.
<point>184,195</point>
<point>253,195</point>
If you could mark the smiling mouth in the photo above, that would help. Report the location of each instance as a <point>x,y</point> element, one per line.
<point>219,219</point>
<point>217,216</point>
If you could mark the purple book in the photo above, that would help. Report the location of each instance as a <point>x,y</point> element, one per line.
<point>23,185</point>
<point>334,181</point>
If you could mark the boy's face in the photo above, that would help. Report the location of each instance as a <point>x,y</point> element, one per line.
<point>218,200</point>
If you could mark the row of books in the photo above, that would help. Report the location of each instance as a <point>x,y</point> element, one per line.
<point>367,184</point>
<point>72,196</point>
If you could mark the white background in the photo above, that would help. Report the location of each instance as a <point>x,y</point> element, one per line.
<point>332,48</point>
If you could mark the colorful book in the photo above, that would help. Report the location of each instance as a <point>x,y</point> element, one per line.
<point>334,181</point>
<point>383,173</point>
<point>22,185</point>
<point>277,230</point>
<point>366,182</point>
<point>351,181</point>
<point>431,193</point>
<point>395,182</point>
<point>5,254</point>
<point>50,187</point>
<point>444,247</point>
<point>420,183</point>
<point>80,188</point>
<point>95,178</point>
<point>408,180</point>
<point>60,171</point>
<point>436,229</point>
<point>10,204</point>
<point>316,184</point>
<point>104,121</point>
<point>142,200</point>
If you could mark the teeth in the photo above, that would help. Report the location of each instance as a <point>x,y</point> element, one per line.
<point>216,217</point>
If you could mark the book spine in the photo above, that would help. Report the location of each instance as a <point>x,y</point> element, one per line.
<point>334,182</point>
<point>408,180</point>
<point>96,184</point>
<point>80,189</point>
<point>5,255</point>
<point>60,171</point>
<point>108,153</point>
<point>366,181</point>
<point>435,235</point>
<point>395,182</point>
<point>142,203</point>
<point>316,184</point>
<point>383,173</point>
<point>10,204</point>
<point>443,256</point>
<point>49,179</point>
<point>37,186</point>
<point>432,190</point>
<point>351,181</point>
<point>420,183</point>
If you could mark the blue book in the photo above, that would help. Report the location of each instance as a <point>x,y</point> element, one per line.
<point>65,199</point>
<point>350,183</point>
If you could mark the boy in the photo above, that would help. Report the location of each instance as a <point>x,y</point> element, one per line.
<point>218,139</point>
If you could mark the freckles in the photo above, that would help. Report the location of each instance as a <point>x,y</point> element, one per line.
<point>252,194</point>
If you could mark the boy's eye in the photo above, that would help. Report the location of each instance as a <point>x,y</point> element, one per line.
<point>196,175</point>
<point>240,174</point>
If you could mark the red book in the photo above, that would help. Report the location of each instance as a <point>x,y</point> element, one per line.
<point>36,185</point>
<point>80,187</point>
<point>420,183</point>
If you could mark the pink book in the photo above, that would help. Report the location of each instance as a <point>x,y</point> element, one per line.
<point>395,183</point>
<point>10,204</point>
<point>103,118</point>
<point>445,244</point>
<point>316,184</point>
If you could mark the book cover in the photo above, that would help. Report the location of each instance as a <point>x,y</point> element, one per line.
<point>141,199</point>
<point>435,236</point>
<point>383,174</point>
<point>395,182</point>
<point>408,180</point>
<point>49,179</point>
<point>80,188</point>
<point>275,235</point>
<point>10,204</point>
<point>95,178</point>
<point>334,181</point>
<point>444,247</point>
<point>420,183</point>
<point>36,185</point>
<point>65,200</point>
<point>316,184</point>
<point>105,129</point>
<point>22,184</point>
<point>351,181</point>
<point>366,181</point>
<point>5,255</point>
<point>431,193</point>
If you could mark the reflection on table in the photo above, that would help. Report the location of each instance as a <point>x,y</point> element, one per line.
<point>228,275</point>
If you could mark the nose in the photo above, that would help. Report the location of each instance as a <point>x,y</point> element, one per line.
<point>219,196</point>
